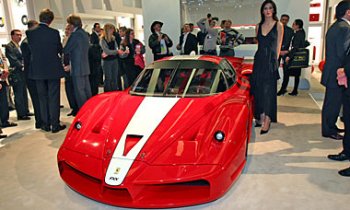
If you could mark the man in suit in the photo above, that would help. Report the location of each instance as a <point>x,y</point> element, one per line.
<point>337,39</point>
<point>343,77</point>
<point>68,82</point>
<point>78,49</point>
<point>287,38</point>
<point>95,51</point>
<point>47,69</point>
<point>17,77</point>
<point>31,85</point>
<point>188,41</point>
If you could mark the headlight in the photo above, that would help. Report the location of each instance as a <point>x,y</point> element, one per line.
<point>219,136</point>
<point>78,125</point>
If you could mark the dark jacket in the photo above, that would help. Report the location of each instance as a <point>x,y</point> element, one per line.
<point>287,37</point>
<point>78,49</point>
<point>95,48</point>
<point>190,45</point>
<point>16,62</point>
<point>337,41</point>
<point>297,42</point>
<point>347,69</point>
<point>26,56</point>
<point>154,44</point>
<point>46,48</point>
<point>14,56</point>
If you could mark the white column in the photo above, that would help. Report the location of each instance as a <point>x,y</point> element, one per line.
<point>167,12</point>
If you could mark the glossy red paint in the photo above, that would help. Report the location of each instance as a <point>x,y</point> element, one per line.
<point>181,164</point>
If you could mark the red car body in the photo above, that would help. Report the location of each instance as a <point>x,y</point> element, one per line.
<point>176,161</point>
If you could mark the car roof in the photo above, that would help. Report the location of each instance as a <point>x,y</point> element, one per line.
<point>213,59</point>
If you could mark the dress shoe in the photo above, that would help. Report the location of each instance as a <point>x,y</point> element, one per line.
<point>340,130</point>
<point>30,114</point>
<point>335,136</point>
<point>338,157</point>
<point>59,128</point>
<point>72,113</point>
<point>281,92</point>
<point>45,128</point>
<point>3,136</point>
<point>37,125</point>
<point>23,118</point>
<point>293,93</point>
<point>8,124</point>
<point>257,123</point>
<point>344,172</point>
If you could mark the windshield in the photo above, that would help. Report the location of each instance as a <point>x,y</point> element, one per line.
<point>194,78</point>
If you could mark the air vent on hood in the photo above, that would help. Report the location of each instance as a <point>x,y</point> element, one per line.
<point>130,141</point>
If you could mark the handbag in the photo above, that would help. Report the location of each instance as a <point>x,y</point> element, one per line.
<point>300,59</point>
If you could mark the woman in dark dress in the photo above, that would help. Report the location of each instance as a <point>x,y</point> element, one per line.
<point>265,71</point>
<point>297,42</point>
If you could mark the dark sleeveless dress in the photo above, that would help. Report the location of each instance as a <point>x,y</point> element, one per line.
<point>265,75</point>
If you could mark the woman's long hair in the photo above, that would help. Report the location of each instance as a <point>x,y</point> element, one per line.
<point>126,39</point>
<point>274,16</point>
<point>105,35</point>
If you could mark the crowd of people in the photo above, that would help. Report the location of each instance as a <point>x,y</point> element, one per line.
<point>109,57</point>
<point>83,59</point>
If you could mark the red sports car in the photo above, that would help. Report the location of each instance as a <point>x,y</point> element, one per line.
<point>177,137</point>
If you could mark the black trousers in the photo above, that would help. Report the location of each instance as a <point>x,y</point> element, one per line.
<point>4,107</point>
<point>33,92</point>
<point>330,110</point>
<point>21,97</point>
<point>94,77</point>
<point>130,71</point>
<point>68,83</point>
<point>286,75</point>
<point>49,98</point>
<point>346,116</point>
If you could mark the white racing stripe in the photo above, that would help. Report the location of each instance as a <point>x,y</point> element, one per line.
<point>146,119</point>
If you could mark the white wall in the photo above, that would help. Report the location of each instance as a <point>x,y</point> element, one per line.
<point>167,12</point>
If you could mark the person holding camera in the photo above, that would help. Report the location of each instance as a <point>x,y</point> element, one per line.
<point>229,38</point>
<point>206,26</point>
<point>159,42</point>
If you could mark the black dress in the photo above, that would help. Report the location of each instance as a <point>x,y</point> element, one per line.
<point>265,75</point>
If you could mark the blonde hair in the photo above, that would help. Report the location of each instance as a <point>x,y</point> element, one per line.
<point>106,28</point>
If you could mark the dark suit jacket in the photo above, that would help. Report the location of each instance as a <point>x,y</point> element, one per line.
<point>78,49</point>
<point>26,56</point>
<point>16,62</point>
<point>14,56</point>
<point>46,48</point>
<point>347,69</point>
<point>190,45</point>
<point>287,38</point>
<point>337,41</point>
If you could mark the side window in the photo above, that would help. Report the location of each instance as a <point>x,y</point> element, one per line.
<point>222,85</point>
<point>230,74</point>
